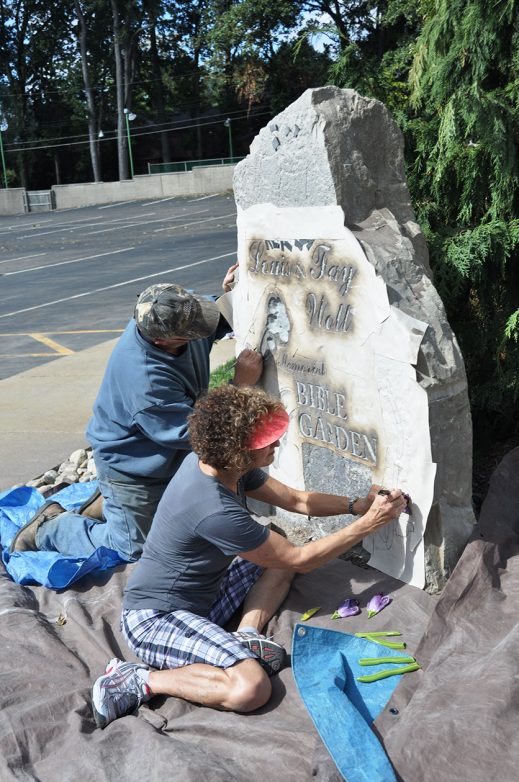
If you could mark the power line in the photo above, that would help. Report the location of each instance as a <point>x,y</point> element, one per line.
<point>173,125</point>
<point>11,148</point>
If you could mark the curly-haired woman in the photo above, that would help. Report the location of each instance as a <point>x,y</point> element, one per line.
<point>206,556</point>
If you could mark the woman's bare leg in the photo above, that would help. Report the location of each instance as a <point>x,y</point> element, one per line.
<point>242,687</point>
<point>265,597</point>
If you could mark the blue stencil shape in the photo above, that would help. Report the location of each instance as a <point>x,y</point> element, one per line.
<point>325,666</point>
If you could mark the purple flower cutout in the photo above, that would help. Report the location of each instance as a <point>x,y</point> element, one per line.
<point>377,603</point>
<point>350,607</point>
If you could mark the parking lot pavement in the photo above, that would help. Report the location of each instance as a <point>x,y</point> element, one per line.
<point>70,278</point>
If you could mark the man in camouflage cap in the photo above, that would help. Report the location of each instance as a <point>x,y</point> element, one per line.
<point>165,308</point>
<point>138,431</point>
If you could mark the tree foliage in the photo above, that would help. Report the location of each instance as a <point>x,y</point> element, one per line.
<point>463,116</point>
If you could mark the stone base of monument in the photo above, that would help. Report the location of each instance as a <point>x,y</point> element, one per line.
<point>336,291</point>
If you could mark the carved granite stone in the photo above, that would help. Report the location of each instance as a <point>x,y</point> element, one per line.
<point>335,148</point>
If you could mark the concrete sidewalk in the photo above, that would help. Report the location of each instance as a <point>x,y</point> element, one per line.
<point>44,411</point>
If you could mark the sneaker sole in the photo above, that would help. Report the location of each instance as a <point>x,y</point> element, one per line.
<point>100,719</point>
<point>269,656</point>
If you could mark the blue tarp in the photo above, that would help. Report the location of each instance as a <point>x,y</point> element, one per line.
<point>325,666</point>
<point>48,568</point>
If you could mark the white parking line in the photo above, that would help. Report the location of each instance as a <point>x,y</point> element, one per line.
<point>196,222</point>
<point>121,203</point>
<point>22,258</point>
<point>202,198</point>
<point>146,222</point>
<point>117,285</point>
<point>73,227</point>
<point>58,224</point>
<point>64,263</point>
<point>10,229</point>
<point>55,224</point>
<point>160,200</point>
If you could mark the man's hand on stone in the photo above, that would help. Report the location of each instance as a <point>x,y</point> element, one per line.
<point>248,369</point>
<point>228,280</point>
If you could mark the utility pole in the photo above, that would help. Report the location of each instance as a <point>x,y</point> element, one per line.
<point>129,116</point>
<point>3,128</point>
<point>227,124</point>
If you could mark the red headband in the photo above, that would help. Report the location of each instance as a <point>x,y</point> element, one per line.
<point>268,430</point>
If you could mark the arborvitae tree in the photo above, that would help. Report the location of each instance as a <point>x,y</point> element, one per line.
<point>464,178</point>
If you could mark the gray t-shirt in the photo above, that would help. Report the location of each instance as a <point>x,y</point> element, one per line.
<point>198,529</point>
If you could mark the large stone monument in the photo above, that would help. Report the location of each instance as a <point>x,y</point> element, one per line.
<point>335,289</point>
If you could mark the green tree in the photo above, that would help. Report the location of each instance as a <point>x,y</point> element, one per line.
<point>31,32</point>
<point>377,56</point>
<point>243,37</point>
<point>464,177</point>
<point>93,126</point>
<point>294,69</point>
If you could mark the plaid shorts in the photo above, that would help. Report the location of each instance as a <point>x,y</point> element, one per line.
<point>173,639</point>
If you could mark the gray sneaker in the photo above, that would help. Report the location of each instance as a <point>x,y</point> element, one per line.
<point>121,690</point>
<point>271,655</point>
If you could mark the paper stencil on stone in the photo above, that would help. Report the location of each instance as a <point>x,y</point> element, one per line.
<point>407,464</point>
<point>340,358</point>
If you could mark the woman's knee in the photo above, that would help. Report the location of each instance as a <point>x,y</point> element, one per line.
<point>281,578</point>
<point>250,686</point>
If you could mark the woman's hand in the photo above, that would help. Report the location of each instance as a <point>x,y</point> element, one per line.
<point>363,504</point>
<point>385,508</point>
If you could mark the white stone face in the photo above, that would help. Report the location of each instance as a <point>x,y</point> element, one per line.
<point>341,359</point>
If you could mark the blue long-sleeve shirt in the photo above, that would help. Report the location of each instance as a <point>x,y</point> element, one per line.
<point>139,422</point>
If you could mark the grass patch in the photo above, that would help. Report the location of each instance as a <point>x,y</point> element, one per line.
<point>222,374</point>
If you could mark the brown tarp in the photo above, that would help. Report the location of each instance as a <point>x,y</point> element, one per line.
<point>457,720</point>
<point>55,644</point>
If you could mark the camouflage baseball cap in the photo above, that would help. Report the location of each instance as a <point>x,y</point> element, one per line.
<point>165,311</point>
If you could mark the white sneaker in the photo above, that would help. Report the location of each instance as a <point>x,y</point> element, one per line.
<point>119,691</point>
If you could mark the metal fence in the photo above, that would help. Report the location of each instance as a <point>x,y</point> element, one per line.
<point>189,165</point>
<point>40,200</point>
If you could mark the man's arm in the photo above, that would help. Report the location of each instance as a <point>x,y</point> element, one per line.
<point>249,364</point>
<point>166,425</point>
